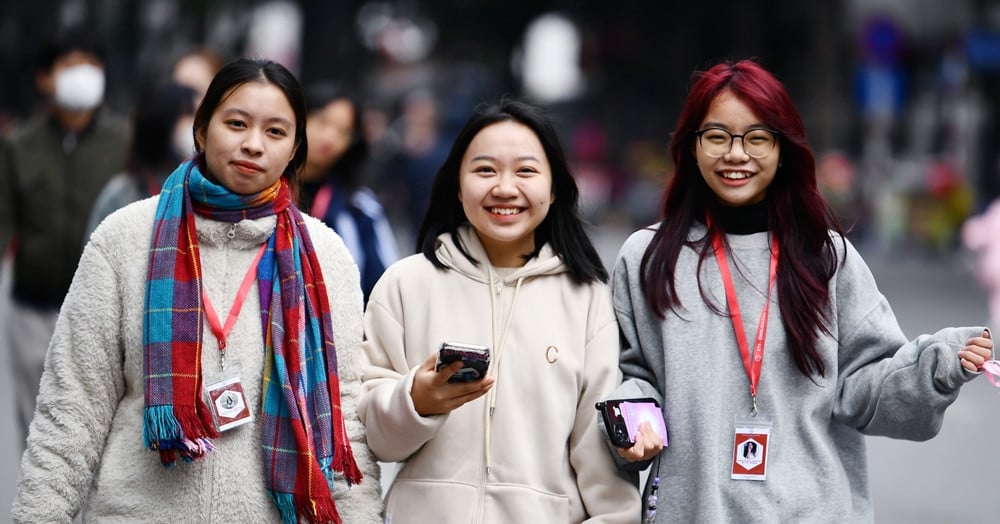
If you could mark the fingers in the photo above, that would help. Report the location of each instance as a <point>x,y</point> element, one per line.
<point>445,373</point>
<point>432,394</point>
<point>648,444</point>
<point>976,352</point>
<point>651,436</point>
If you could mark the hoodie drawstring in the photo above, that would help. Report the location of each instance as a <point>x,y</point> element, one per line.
<point>491,397</point>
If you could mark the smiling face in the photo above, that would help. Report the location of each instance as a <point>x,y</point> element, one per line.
<point>505,185</point>
<point>736,178</point>
<point>250,138</point>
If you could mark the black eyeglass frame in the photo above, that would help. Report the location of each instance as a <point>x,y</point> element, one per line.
<point>732,139</point>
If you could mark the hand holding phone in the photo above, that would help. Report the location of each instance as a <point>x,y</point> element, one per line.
<point>476,360</point>
<point>623,416</point>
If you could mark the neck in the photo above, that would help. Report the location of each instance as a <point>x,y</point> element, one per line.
<point>744,220</point>
<point>507,254</point>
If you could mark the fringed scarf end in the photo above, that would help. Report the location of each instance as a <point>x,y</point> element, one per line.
<point>349,466</point>
<point>311,511</point>
<point>176,432</point>
<point>159,426</point>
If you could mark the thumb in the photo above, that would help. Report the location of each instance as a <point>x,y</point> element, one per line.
<point>986,334</point>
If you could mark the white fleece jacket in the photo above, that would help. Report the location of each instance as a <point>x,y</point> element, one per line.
<point>537,456</point>
<point>87,428</point>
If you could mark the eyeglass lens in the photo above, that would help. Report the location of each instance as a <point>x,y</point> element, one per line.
<point>717,142</point>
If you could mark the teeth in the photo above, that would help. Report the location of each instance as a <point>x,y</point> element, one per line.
<point>735,175</point>
<point>504,210</point>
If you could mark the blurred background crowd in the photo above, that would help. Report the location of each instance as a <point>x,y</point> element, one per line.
<point>895,93</point>
<point>898,97</point>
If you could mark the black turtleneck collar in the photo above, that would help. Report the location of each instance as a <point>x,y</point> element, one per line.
<point>743,220</point>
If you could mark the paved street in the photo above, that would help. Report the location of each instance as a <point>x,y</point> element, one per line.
<point>951,478</point>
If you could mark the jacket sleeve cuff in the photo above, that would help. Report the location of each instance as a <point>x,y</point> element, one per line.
<point>402,431</point>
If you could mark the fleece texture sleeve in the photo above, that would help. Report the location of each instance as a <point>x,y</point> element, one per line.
<point>81,386</point>
<point>888,385</point>
<point>395,429</point>
<point>638,348</point>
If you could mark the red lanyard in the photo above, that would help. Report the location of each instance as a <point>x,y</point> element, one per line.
<point>751,361</point>
<point>220,331</point>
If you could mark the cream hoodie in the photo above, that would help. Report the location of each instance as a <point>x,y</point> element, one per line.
<point>539,456</point>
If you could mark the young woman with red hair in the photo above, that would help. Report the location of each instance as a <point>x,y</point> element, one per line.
<point>759,327</point>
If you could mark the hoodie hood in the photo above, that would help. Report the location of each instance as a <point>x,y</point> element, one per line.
<point>545,263</point>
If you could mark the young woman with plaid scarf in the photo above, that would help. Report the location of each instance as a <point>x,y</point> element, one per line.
<point>169,409</point>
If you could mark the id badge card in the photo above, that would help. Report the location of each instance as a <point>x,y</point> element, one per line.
<point>750,450</point>
<point>225,398</point>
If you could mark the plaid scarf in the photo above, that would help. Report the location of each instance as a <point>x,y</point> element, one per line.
<point>304,438</point>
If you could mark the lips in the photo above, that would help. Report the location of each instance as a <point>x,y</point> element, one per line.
<point>504,211</point>
<point>247,168</point>
<point>735,175</point>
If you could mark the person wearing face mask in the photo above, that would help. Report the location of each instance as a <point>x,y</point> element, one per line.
<point>51,171</point>
<point>161,139</point>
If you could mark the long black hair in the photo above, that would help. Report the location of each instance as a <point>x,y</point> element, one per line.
<point>562,228</point>
<point>242,71</point>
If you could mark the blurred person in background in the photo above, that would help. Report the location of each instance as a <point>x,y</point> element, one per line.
<point>804,356</point>
<point>161,139</point>
<point>421,148</point>
<point>195,68</point>
<point>152,409</point>
<point>505,263</point>
<point>333,187</point>
<point>51,171</point>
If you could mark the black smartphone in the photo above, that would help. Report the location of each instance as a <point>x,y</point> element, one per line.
<point>475,357</point>
<point>623,416</point>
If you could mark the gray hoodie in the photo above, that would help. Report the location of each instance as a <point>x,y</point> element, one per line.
<point>876,383</point>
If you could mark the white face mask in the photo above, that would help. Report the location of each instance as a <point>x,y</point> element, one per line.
<point>80,87</point>
<point>183,141</point>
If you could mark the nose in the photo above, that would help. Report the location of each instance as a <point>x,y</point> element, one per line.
<point>505,187</point>
<point>733,153</point>
<point>253,143</point>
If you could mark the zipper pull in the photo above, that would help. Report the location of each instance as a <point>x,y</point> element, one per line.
<point>232,232</point>
<point>499,287</point>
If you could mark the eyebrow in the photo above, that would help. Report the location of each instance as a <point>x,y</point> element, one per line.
<point>243,113</point>
<point>756,125</point>
<point>493,159</point>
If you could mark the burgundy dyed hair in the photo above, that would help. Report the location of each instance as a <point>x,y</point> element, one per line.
<point>799,217</point>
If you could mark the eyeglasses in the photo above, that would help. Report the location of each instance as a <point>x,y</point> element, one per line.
<point>717,142</point>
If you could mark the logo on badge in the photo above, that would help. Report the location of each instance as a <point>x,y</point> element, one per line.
<point>229,404</point>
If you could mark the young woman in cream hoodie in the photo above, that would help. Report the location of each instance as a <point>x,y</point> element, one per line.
<point>504,263</point>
